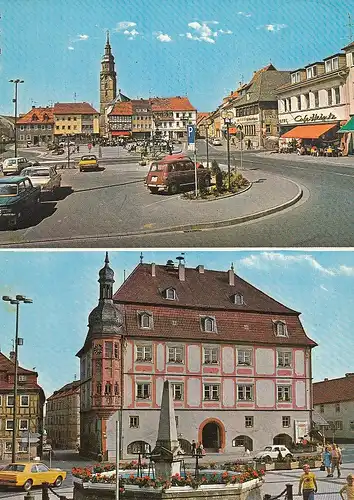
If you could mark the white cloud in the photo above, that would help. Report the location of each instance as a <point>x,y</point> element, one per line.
<point>70,48</point>
<point>324,288</point>
<point>346,271</point>
<point>132,34</point>
<point>83,37</point>
<point>123,25</point>
<point>244,14</point>
<point>203,32</point>
<point>258,261</point>
<point>164,37</point>
<point>273,27</point>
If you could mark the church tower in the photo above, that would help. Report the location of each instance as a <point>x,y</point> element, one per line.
<point>108,83</point>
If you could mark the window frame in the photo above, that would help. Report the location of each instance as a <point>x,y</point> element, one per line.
<point>19,424</point>
<point>280,325</point>
<point>148,396</point>
<point>174,385</point>
<point>170,289</point>
<point>173,359</point>
<point>145,314</point>
<point>209,357</point>
<point>145,357</point>
<point>246,352</point>
<point>283,354</point>
<point>131,420</point>
<point>245,388</point>
<point>7,401</point>
<point>282,389</point>
<point>28,399</point>
<point>250,423</point>
<point>203,323</point>
<point>283,421</point>
<point>338,425</point>
<point>6,424</point>
<point>211,389</point>
<point>337,407</point>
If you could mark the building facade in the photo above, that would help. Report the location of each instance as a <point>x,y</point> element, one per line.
<point>36,128</point>
<point>75,119</point>
<point>239,362</point>
<point>333,399</point>
<point>171,115</point>
<point>314,104</point>
<point>120,120</point>
<point>62,419</point>
<point>29,417</point>
<point>108,83</point>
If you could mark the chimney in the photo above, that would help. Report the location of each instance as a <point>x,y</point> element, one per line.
<point>231,276</point>
<point>200,269</point>
<point>181,272</point>
<point>326,379</point>
<point>33,107</point>
<point>12,356</point>
<point>153,269</point>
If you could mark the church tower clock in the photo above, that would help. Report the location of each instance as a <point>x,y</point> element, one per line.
<point>108,83</point>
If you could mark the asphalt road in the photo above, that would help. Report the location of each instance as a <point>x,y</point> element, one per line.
<point>106,203</point>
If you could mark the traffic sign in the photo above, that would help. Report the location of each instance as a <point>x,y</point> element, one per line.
<point>191,134</point>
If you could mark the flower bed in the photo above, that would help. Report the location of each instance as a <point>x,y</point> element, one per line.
<point>89,474</point>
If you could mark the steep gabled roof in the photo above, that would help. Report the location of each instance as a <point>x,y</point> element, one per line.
<point>334,390</point>
<point>210,289</point>
<point>8,366</point>
<point>38,116</point>
<point>176,103</point>
<point>122,108</point>
<point>263,86</point>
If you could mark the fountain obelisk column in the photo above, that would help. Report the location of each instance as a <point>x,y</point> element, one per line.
<point>165,453</point>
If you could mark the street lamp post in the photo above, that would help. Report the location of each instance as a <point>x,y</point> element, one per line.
<point>227,117</point>
<point>240,129</point>
<point>208,123</point>
<point>14,100</point>
<point>16,301</point>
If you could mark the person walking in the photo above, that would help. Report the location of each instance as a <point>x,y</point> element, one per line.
<point>336,459</point>
<point>327,460</point>
<point>348,488</point>
<point>194,447</point>
<point>307,484</point>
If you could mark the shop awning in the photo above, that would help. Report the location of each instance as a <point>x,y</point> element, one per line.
<point>348,127</point>
<point>308,131</point>
<point>232,130</point>
<point>116,133</point>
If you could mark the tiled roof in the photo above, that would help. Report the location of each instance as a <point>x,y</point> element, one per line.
<point>171,104</point>
<point>263,86</point>
<point>7,366</point>
<point>208,289</point>
<point>334,390</point>
<point>78,108</point>
<point>37,115</point>
<point>66,390</point>
<point>123,108</point>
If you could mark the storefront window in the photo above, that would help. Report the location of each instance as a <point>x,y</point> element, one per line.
<point>336,95</point>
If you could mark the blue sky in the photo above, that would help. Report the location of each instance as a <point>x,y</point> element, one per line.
<point>162,47</point>
<point>64,289</point>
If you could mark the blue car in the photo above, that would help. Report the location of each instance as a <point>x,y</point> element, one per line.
<point>18,199</point>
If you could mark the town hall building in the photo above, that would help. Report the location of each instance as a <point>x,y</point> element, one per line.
<point>239,362</point>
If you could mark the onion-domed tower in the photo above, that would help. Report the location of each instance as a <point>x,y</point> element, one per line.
<point>100,367</point>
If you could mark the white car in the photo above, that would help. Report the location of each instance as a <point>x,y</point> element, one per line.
<point>216,142</point>
<point>13,166</point>
<point>47,178</point>
<point>271,452</point>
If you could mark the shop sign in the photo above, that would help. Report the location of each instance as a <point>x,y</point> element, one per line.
<point>301,429</point>
<point>245,119</point>
<point>315,118</point>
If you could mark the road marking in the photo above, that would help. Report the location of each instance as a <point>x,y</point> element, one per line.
<point>301,168</point>
<point>156,202</point>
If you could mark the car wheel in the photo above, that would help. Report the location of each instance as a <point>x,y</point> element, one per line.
<point>267,459</point>
<point>80,169</point>
<point>173,188</point>
<point>288,455</point>
<point>58,482</point>
<point>28,485</point>
<point>153,190</point>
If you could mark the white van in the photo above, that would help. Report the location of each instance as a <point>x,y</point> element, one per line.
<point>12,166</point>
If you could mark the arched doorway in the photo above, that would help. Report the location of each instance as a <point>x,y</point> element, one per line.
<point>283,439</point>
<point>138,448</point>
<point>244,441</point>
<point>186,446</point>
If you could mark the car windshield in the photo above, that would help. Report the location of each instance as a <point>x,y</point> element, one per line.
<point>89,157</point>
<point>268,448</point>
<point>15,467</point>
<point>8,189</point>
<point>11,161</point>
<point>36,172</point>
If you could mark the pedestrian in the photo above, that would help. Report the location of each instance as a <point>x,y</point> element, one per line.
<point>201,449</point>
<point>348,488</point>
<point>327,461</point>
<point>336,459</point>
<point>78,148</point>
<point>194,447</point>
<point>307,484</point>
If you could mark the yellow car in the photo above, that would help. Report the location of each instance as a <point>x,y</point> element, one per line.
<point>28,474</point>
<point>88,162</point>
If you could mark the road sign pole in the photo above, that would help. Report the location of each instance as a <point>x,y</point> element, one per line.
<point>195,172</point>
<point>191,134</point>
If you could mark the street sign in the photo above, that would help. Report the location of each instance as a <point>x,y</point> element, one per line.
<point>32,437</point>
<point>191,137</point>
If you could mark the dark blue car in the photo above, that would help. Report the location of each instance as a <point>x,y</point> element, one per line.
<point>18,199</point>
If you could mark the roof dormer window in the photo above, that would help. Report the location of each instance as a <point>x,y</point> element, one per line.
<point>281,329</point>
<point>145,320</point>
<point>34,117</point>
<point>170,294</point>
<point>237,299</point>
<point>208,324</point>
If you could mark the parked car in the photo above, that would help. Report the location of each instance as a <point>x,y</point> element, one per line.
<point>174,172</point>
<point>88,162</point>
<point>216,142</point>
<point>13,166</point>
<point>47,178</point>
<point>28,474</point>
<point>18,199</point>
<point>271,452</point>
